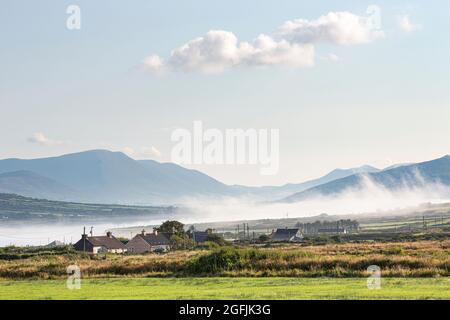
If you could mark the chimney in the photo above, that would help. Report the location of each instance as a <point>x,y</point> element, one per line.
<point>84,237</point>
<point>143,232</point>
<point>109,234</point>
<point>155,231</point>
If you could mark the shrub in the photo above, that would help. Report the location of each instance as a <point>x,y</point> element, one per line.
<point>217,239</point>
<point>224,259</point>
<point>208,245</point>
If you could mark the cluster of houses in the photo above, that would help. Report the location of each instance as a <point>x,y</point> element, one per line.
<point>154,242</point>
<point>141,243</point>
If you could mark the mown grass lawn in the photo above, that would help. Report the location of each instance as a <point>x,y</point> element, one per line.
<point>228,288</point>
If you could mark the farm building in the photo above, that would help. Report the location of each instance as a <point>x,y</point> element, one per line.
<point>148,242</point>
<point>287,235</point>
<point>100,244</point>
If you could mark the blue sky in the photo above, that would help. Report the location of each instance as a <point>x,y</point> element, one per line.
<point>381,102</point>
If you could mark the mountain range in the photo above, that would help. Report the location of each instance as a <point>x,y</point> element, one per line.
<point>407,176</point>
<point>278,192</point>
<point>101,176</point>
<point>105,177</point>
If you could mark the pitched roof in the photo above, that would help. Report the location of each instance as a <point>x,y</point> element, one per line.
<point>107,242</point>
<point>155,239</point>
<point>284,234</point>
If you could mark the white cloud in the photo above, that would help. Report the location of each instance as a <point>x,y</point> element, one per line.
<point>154,64</point>
<point>293,45</point>
<point>405,24</point>
<point>211,53</point>
<point>41,139</point>
<point>219,50</point>
<point>342,28</point>
<point>266,51</point>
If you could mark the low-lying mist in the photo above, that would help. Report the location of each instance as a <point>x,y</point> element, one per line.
<point>38,234</point>
<point>368,197</point>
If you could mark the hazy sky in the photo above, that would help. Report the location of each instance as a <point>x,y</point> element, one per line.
<point>341,95</point>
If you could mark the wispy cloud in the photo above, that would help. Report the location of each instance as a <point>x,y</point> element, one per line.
<point>404,22</point>
<point>341,28</point>
<point>292,45</point>
<point>42,139</point>
<point>153,64</point>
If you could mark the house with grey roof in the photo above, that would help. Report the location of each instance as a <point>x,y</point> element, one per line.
<point>100,244</point>
<point>148,242</point>
<point>287,235</point>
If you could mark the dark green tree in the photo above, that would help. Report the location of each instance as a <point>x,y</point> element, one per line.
<point>172,227</point>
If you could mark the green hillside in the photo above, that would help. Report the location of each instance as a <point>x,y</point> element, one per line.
<point>18,208</point>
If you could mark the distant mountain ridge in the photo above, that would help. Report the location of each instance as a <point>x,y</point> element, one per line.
<point>28,183</point>
<point>403,176</point>
<point>15,208</point>
<point>102,176</point>
<point>291,188</point>
<point>112,177</point>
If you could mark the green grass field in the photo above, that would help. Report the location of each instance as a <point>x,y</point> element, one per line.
<point>228,288</point>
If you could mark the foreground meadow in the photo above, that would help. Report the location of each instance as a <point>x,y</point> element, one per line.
<point>347,260</point>
<point>409,270</point>
<point>227,288</point>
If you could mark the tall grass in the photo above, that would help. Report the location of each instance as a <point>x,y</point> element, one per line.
<point>415,259</point>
